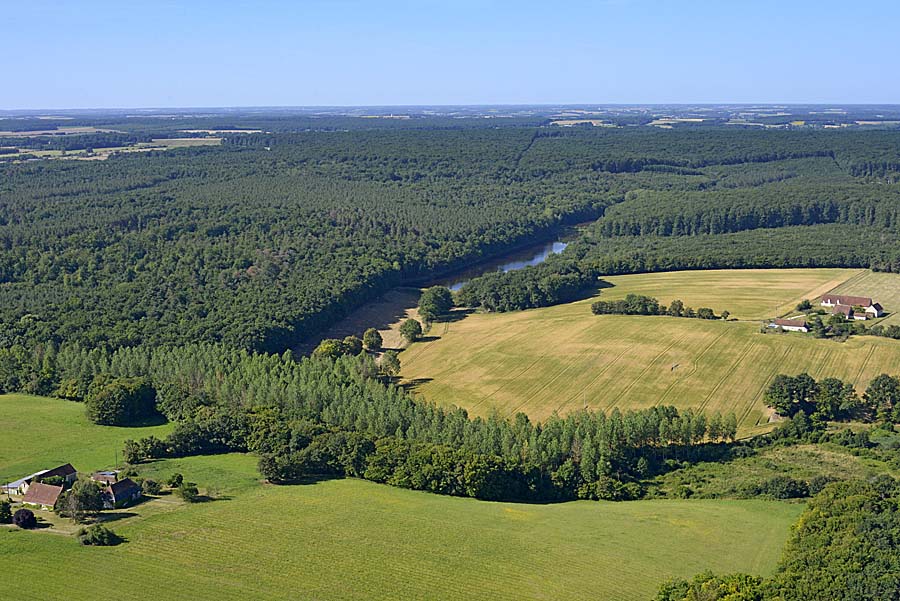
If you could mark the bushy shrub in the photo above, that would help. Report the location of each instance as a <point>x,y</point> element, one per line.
<point>189,492</point>
<point>780,487</point>
<point>151,487</point>
<point>24,518</point>
<point>5,512</point>
<point>98,535</point>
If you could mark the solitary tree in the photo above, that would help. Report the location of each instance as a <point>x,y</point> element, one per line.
<point>5,512</point>
<point>390,364</point>
<point>189,492</point>
<point>804,305</point>
<point>435,302</point>
<point>411,330</point>
<point>24,518</point>
<point>83,499</point>
<point>372,339</point>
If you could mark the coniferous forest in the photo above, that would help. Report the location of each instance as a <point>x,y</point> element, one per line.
<point>263,241</point>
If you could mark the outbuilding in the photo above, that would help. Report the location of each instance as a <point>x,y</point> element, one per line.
<point>791,325</point>
<point>42,495</point>
<point>68,474</point>
<point>121,493</point>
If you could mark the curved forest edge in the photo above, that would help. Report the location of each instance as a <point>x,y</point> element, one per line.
<point>337,218</point>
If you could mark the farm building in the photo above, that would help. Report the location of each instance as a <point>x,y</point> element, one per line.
<point>20,486</point>
<point>121,493</point>
<point>42,495</point>
<point>790,325</point>
<point>106,477</point>
<point>68,473</point>
<point>870,308</point>
<point>848,312</point>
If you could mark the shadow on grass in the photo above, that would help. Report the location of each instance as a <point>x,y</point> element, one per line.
<point>454,316</point>
<point>211,498</point>
<point>309,480</point>
<point>414,384</point>
<point>154,420</point>
<point>114,516</point>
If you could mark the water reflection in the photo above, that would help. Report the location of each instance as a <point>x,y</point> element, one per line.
<point>533,255</point>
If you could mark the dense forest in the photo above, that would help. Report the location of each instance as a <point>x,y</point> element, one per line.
<point>265,240</point>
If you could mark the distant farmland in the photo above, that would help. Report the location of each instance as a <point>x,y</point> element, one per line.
<point>351,539</point>
<point>565,358</point>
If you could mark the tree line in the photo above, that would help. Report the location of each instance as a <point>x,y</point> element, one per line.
<point>335,416</point>
<point>834,399</point>
<point>639,304</point>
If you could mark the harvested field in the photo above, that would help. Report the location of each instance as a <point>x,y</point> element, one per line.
<point>564,358</point>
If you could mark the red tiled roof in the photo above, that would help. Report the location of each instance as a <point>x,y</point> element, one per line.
<point>847,310</point>
<point>838,299</point>
<point>42,494</point>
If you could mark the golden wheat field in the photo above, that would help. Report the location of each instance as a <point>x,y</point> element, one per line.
<point>564,358</point>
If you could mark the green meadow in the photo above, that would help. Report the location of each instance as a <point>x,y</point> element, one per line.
<point>351,539</point>
<point>42,433</point>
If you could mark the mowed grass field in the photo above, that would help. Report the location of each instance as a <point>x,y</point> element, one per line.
<point>564,358</point>
<point>351,539</point>
<point>40,433</point>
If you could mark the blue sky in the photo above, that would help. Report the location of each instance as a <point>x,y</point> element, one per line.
<point>86,54</point>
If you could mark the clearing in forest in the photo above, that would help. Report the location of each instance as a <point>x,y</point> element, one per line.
<point>351,539</point>
<point>564,358</point>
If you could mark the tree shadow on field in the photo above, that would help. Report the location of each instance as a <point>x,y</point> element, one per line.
<point>415,383</point>
<point>114,516</point>
<point>308,480</point>
<point>379,313</point>
<point>592,290</point>
<point>455,315</point>
<point>211,499</point>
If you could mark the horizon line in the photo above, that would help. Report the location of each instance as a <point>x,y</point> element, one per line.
<point>449,105</point>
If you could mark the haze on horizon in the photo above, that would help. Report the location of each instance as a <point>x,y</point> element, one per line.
<point>354,53</point>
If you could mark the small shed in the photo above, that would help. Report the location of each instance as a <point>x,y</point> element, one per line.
<point>106,477</point>
<point>20,486</point>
